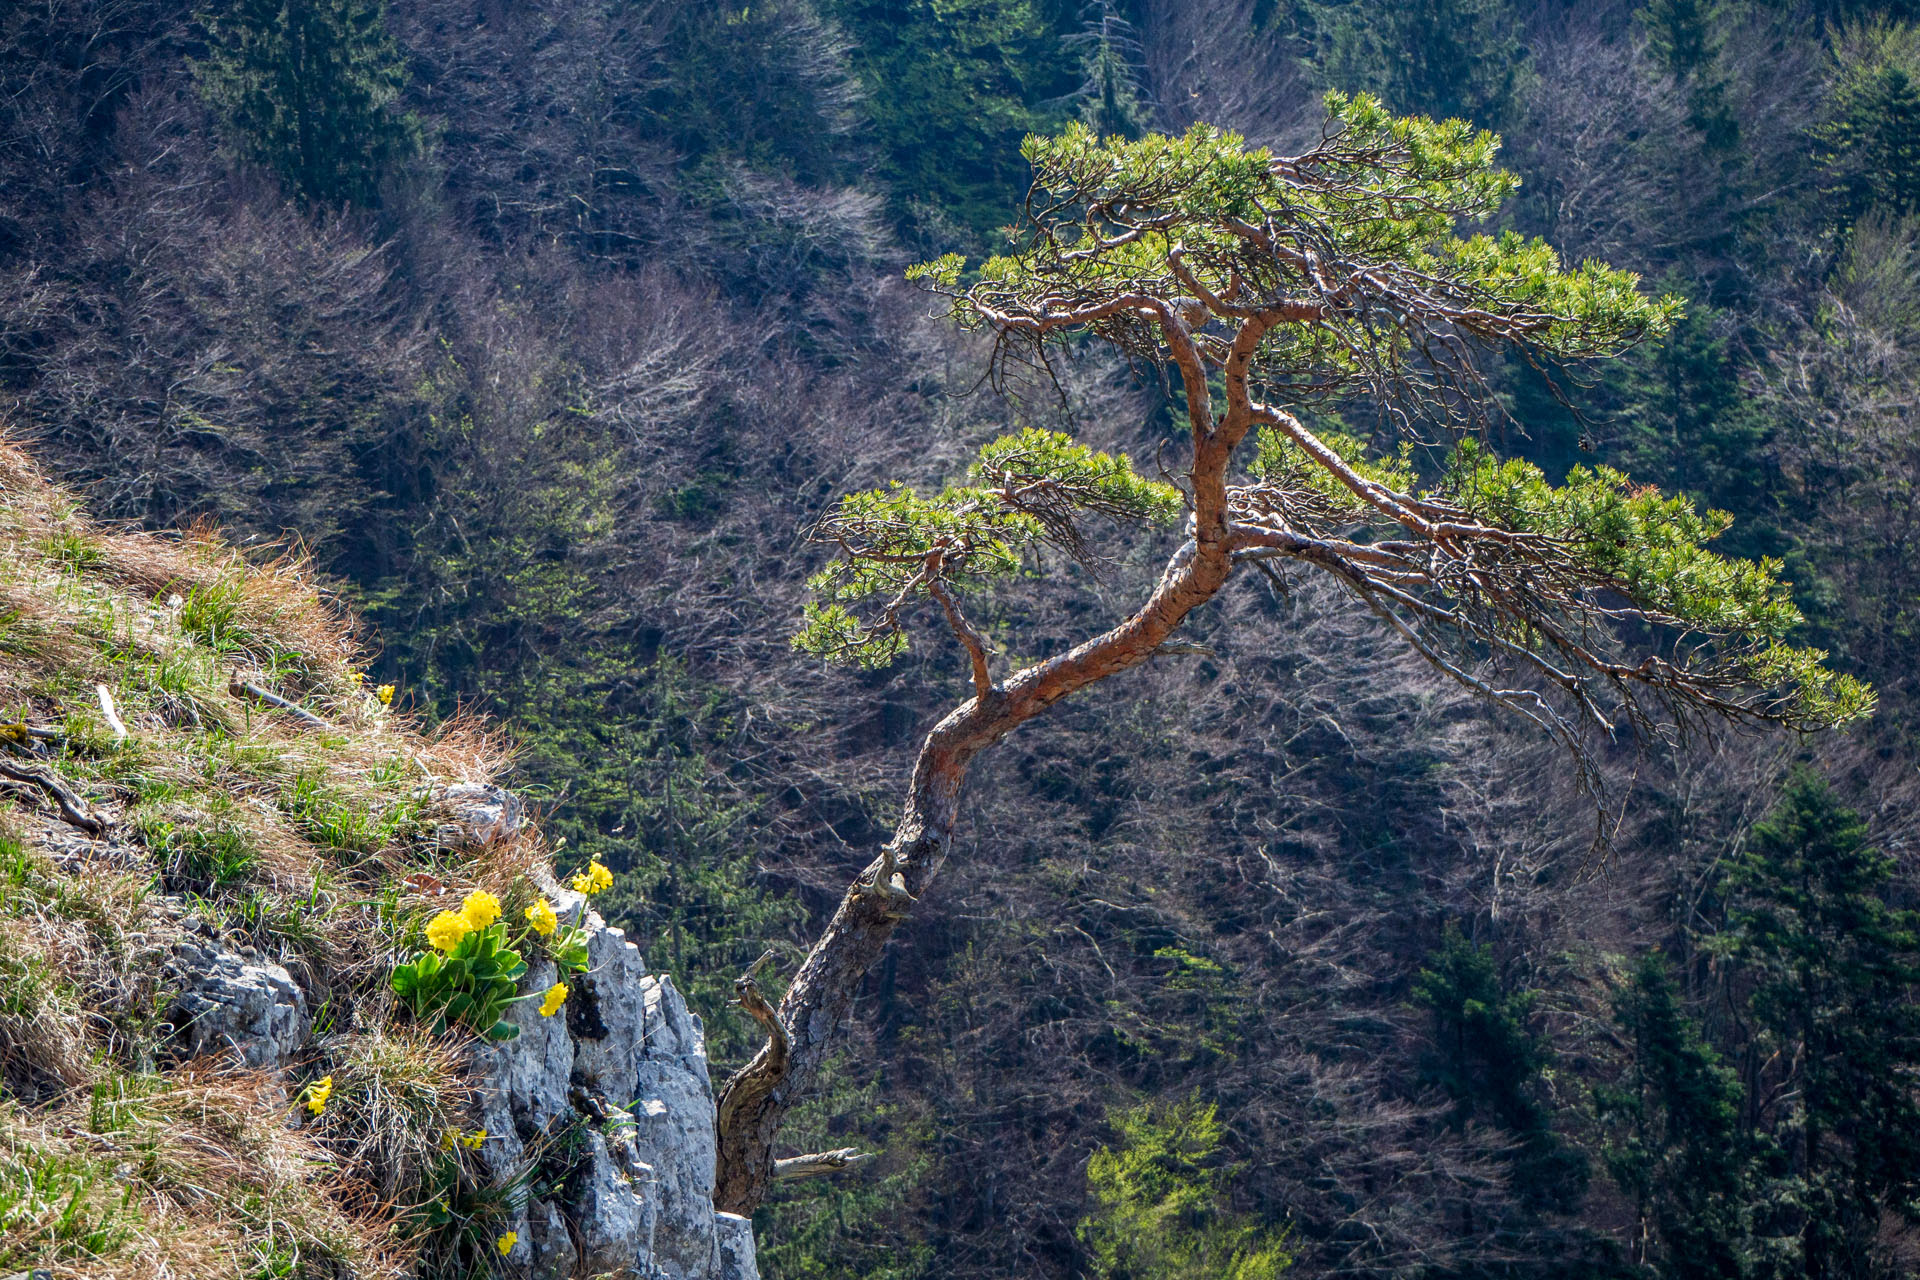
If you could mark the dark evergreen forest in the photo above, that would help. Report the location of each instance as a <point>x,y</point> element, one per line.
<point>549,327</point>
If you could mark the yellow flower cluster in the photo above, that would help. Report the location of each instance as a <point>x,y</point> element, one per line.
<point>471,1141</point>
<point>481,909</point>
<point>445,930</point>
<point>595,879</point>
<point>385,694</point>
<point>506,1242</point>
<point>556,996</point>
<point>317,1094</point>
<point>540,916</point>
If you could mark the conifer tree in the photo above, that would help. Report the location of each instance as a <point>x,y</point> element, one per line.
<point>1683,37</point>
<point>1438,57</point>
<point>307,88</point>
<point>1269,287</point>
<point>1489,1060</point>
<point>1831,970</point>
<point>1675,1141</point>
<point>952,86</point>
<point>1870,142</point>
<point>1486,1053</point>
<point>1112,99</point>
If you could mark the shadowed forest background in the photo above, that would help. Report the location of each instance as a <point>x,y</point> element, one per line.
<point>548,327</point>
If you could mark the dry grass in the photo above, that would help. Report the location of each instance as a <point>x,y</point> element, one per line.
<point>315,844</point>
<point>197,1173</point>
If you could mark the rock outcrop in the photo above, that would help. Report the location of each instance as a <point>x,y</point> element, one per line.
<point>609,1104</point>
<point>612,1105</point>
<point>235,1001</point>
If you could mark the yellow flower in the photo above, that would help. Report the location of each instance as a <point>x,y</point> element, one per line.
<point>317,1094</point>
<point>445,930</point>
<point>595,879</point>
<point>506,1242</point>
<point>385,694</point>
<point>556,996</point>
<point>473,1141</point>
<point>540,916</point>
<point>481,909</point>
<point>448,1138</point>
<point>355,677</point>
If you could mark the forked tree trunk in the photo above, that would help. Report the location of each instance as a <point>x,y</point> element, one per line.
<point>756,1100</point>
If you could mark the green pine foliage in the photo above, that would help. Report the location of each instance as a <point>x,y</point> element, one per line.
<point>1160,1203</point>
<point>1654,546</point>
<point>1028,489</point>
<point>1490,1058</point>
<point>308,89</point>
<point>1441,58</point>
<point>1410,185</point>
<point>1487,1054</point>
<point>952,86</point>
<point>1787,1149</point>
<point>1828,968</point>
<point>1674,1138</point>
<point>1870,142</point>
<point>1112,98</point>
<point>760,85</point>
<point>1683,413</point>
<point>1685,38</point>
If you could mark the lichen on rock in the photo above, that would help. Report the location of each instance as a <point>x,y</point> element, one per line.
<point>229,1001</point>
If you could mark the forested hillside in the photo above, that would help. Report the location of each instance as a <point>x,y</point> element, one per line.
<point>551,328</point>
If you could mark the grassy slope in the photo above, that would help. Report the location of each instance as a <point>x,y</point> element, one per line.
<point>316,846</point>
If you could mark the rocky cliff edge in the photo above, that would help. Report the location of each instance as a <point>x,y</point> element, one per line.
<point>218,838</point>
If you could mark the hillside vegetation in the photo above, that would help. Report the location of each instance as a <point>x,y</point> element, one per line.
<point>592,309</point>
<point>161,809</point>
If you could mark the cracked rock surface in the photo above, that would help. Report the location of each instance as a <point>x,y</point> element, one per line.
<point>612,1106</point>
<point>237,1001</point>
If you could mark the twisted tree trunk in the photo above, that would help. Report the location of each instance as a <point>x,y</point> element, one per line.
<point>755,1101</point>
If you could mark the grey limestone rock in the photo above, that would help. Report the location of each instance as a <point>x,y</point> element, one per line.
<point>737,1258</point>
<point>238,1002</point>
<point>609,1103</point>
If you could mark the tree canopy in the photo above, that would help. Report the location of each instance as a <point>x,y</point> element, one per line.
<point>1276,290</point>
<point>1317,280</point>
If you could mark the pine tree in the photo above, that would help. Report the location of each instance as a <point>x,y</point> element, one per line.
<point>1489,1060</point>
<point>1112,99</point>
<point>1674,1137</point>
<point>1683,38</point>
<point>1686,415</point>
<point>952,87</point>
<point>1270,286</point>
<point>307,88</point>
<point>1442,58</point>
<point>1870,142</point>
<point>1830,970</point>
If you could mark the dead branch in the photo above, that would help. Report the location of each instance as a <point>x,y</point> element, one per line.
<point>73,810</point>
<point>241,687</point>
<point>820,1164</point>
